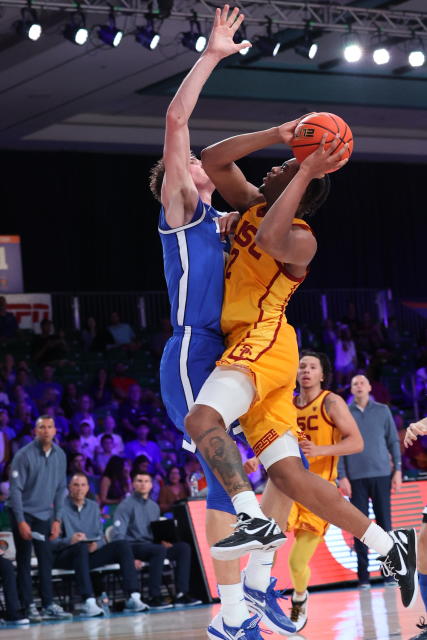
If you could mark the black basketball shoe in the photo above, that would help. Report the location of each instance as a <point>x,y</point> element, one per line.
<point>249,534</point>
<point>401,563</point>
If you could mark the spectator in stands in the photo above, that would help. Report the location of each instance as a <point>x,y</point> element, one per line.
<point>141,445</point>
<point>345,358</point>
<point>104,453</point>
<point>70,400</point>
<point>122,332</point>
<point>5,424</point>
<point>175,490</point>
<point>141,464</point>
<point>120,382</point>
<point>37,486</point>
<point>47,384</point>
<point>19,396</point>
<point>8,371</point>
<point>95,339</point>
<point>61,423</point>
<point>84,414</point>
<point>368,474</point>
<point>26,435</point>
<point>131,411</point>
<point>88,442</point>
<point>5,449</point>
<point>132,521</point>
<point>8,323</point>
<point>109,426</point>
<point>116,482</point>
<point>48,347</point>
<point>4,397</point>
<point>101,390</point>
<point>160,338</point>
<point>350,319</point>
<point>82,547</point>
<point>8,581</point>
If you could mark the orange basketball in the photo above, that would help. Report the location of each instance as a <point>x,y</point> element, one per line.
<point>310,130</point>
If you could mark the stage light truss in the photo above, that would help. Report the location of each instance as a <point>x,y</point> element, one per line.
<point>283,14</point>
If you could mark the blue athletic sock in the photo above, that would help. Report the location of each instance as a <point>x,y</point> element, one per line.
<point>422,578</point>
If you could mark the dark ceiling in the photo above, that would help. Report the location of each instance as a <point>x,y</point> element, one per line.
<point>57,95</point>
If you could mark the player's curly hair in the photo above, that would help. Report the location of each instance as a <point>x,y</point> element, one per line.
<point>325,363</point>
<point>315,195</point>
<point>157,173</point>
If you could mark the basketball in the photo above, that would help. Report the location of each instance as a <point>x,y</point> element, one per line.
<point>308,134</point>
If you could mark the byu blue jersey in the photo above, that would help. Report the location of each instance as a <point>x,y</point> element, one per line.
<point>194,269</point>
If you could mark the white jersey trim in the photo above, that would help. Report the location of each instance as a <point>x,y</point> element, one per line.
<point>183,281</point>
<point>186,226</point>
<point>185,380</point>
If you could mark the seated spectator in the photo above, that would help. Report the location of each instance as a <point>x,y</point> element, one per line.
<point>84,414</point>
<point>345,358</point>
<point>47,384</point>
<point>61,423</point>
<point>159,339</point>
<point>120,382</point>
<point>8,323</point>
<point>81,546</point>
<point>47,346</point>
<point>88,442</point>
<point>8,371</point>
<point>122,332</point>
<point>101,390</point>
<point>115,483</point>
<point>131,411</point>
<point>141,445</point>
<point>132,520</point>
<point>78,463</point>
<point>8,580</point>
<point>141,464</point>
<point>5,449</point>
<point>103,453</point>
<point>108,428</point>
<point>95,339</point>
<point>25,436</point>
<point>21,396</point>
<point>4,397</point>
<point>5,483</point>
<point>175,490</point>
<point>5,424</point>
<point>70,400</point>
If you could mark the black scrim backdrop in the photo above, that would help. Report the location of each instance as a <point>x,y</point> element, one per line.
<point>88,222</point>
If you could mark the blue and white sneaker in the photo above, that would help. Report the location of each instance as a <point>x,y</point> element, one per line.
<point>267,607</point>
<point>249,629</point>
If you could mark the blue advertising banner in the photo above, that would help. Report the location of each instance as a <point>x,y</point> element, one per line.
<point>10,265</point>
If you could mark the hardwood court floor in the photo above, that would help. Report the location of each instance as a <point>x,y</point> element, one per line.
<point>375,614</point>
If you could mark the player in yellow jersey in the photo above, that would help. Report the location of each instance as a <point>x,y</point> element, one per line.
<point>255,378</point>
<point>326,430</point>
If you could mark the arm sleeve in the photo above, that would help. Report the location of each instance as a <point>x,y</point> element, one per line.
<point>392,440</point>
<point>61,542</point>
<point>342,467</point>
<point>18,477</point>
<point>121,522</point>
<point>58,500</point>
<point>100,532</point>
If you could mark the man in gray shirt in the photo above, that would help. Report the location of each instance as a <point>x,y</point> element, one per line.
<point>82,547</point>
<point>369,474</point>
<point>132,522</point>
<point>37,488</point>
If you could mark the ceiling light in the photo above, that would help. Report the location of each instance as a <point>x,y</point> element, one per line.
<point>308,48</point>
<point>29,26</point>
<point>109,33</point>
<point>267,45</point>
<point>417,57</point>
<point>147,36</point>
<point>75,31</point>
<point>353,51</point>
<point>381,55</point>
<point>239,37</point>
<point>194,39</point>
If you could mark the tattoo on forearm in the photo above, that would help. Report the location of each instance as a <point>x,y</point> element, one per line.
<point>223,457</point>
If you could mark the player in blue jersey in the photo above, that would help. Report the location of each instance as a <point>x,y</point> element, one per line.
<point>190,230</point>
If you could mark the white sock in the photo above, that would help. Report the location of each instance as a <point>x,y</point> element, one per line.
<point>135,595</point>
<point>246,502</point>
<point>90,600</point>
<point>234,609</point>
<point>258,570</point>
<point>296,597</point>
<point>377,539</point>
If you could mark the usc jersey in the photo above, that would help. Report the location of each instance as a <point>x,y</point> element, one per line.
<point>315,424</point>
<point>258,337</point>
<point>257,287</point>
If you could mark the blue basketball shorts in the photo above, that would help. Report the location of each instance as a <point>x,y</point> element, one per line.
<point>188,359</point>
